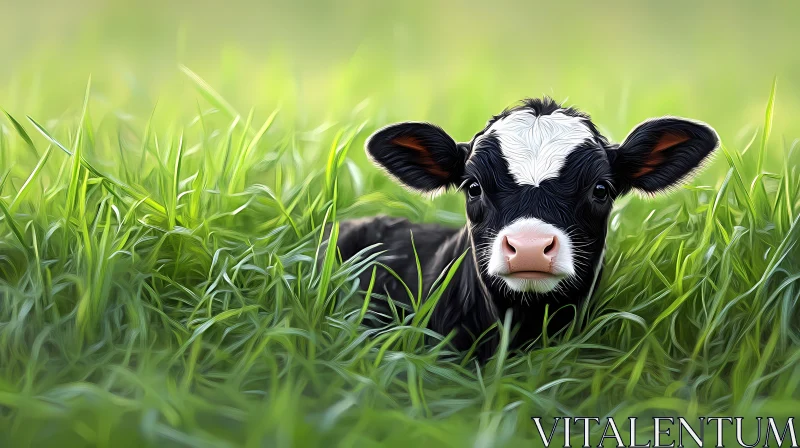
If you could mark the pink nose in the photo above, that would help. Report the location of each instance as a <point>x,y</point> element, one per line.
<point>530,252</point>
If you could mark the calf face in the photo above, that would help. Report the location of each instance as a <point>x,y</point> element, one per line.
<point>539,182</point>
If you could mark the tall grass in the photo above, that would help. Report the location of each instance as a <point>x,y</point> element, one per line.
<point>158,287</point>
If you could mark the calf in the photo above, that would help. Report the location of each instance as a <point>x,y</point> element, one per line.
<point>539,182</point>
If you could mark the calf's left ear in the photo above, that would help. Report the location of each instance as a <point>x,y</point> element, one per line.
<point>661,152</point>
<point>420,155</point>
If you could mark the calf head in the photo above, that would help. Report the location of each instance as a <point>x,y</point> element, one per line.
<point>539,182</point>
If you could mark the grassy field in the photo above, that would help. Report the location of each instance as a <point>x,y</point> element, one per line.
<point>165,171</point>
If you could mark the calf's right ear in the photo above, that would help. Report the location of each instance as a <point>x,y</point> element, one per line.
<point>420,155</point>
<point>662,152</point>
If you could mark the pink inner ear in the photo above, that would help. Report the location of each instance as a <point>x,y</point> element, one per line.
<point>668,140</point>
<point>424,156</point>
<point>655,158</point>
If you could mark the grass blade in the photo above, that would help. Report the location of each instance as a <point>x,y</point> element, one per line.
<point>244,155</point>
<point>22,133</point>
<point>11,223</point>
<point>211,95</point>
<point>47,135</point>
<point>767,125</point>
<point>29,181</point>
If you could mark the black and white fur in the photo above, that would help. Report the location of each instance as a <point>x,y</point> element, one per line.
<point>535,166</point>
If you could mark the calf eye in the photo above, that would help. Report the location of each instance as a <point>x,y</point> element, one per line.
<point>600,191</point>
<point>474,190</point>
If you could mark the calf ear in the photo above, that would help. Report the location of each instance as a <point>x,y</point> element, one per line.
<point>420,155</point>
<point>661,152</point>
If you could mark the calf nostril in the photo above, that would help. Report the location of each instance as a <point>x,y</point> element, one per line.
<point>508,248</point>
<point>550,249</point>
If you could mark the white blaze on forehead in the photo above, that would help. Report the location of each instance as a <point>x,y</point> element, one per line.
<point>536,147</point>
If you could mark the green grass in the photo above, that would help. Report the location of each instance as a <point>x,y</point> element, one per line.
<point>175,300</point>
<point>157,238</point>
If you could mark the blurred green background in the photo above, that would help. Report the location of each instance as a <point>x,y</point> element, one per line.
<point>117,329</point>
<point>453,62</point>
